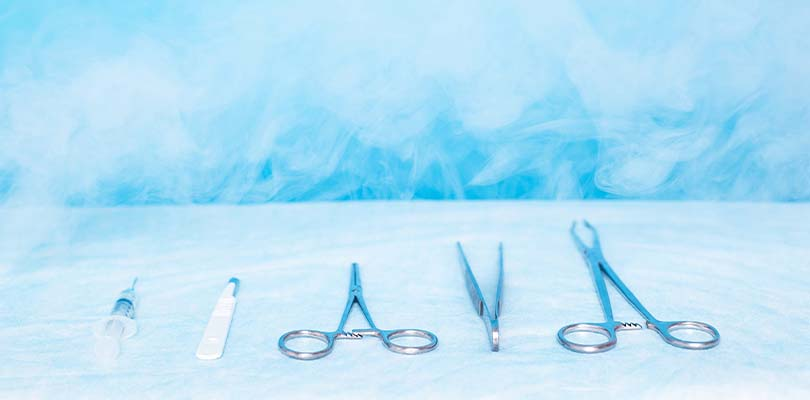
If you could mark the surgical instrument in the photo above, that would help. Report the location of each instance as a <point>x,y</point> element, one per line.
<point>490,317</point>
<point>212,344</point>
<point>387,336</point>
<point>120,324</point>
<point>599,266</point>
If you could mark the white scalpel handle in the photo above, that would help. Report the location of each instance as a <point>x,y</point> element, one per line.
<point>213,341</point>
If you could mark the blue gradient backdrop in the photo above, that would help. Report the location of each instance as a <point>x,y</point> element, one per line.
<point>141,102</point>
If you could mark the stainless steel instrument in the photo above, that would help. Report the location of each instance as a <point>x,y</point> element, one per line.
<point>490,317</point>
<point>387,336</point>
<point>599,266</point>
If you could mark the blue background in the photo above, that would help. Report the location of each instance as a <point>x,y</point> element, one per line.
<point>105,106</point>
<point>126,103</point>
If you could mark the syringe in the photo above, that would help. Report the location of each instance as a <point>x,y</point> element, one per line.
<point>120,324</point>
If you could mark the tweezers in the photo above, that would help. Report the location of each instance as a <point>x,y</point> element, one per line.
<point>481,307</point>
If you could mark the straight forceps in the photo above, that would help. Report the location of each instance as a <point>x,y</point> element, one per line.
<point>599,266</point>
<point>490,318</point>
<point>356,296</point>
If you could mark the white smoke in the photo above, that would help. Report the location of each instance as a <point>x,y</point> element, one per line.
<point>203,103</point>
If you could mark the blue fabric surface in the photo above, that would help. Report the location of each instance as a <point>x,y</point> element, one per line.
<point>741,267</point>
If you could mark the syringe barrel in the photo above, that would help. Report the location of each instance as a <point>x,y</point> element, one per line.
<point>125,305</point>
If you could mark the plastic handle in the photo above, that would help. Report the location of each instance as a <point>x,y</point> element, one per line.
<point>213,341</point>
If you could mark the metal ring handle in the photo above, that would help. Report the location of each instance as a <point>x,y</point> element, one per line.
<point>665,329</point>
<point>326,337</point>
<point>606,330</point>
<point>388,336</point>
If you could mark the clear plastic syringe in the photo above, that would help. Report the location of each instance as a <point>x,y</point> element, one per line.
<point>120,324</point>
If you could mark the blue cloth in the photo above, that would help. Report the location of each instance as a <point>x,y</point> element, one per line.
<point>741,267</point>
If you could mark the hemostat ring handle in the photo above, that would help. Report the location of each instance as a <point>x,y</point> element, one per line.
<point>665,329</point>
<point>327,337</point>
<point>606,329</point>
<point>387,338</point>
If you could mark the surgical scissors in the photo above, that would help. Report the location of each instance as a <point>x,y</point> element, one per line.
<point>599,266</point>
<point>490,318</point>
<point>387,336</point>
